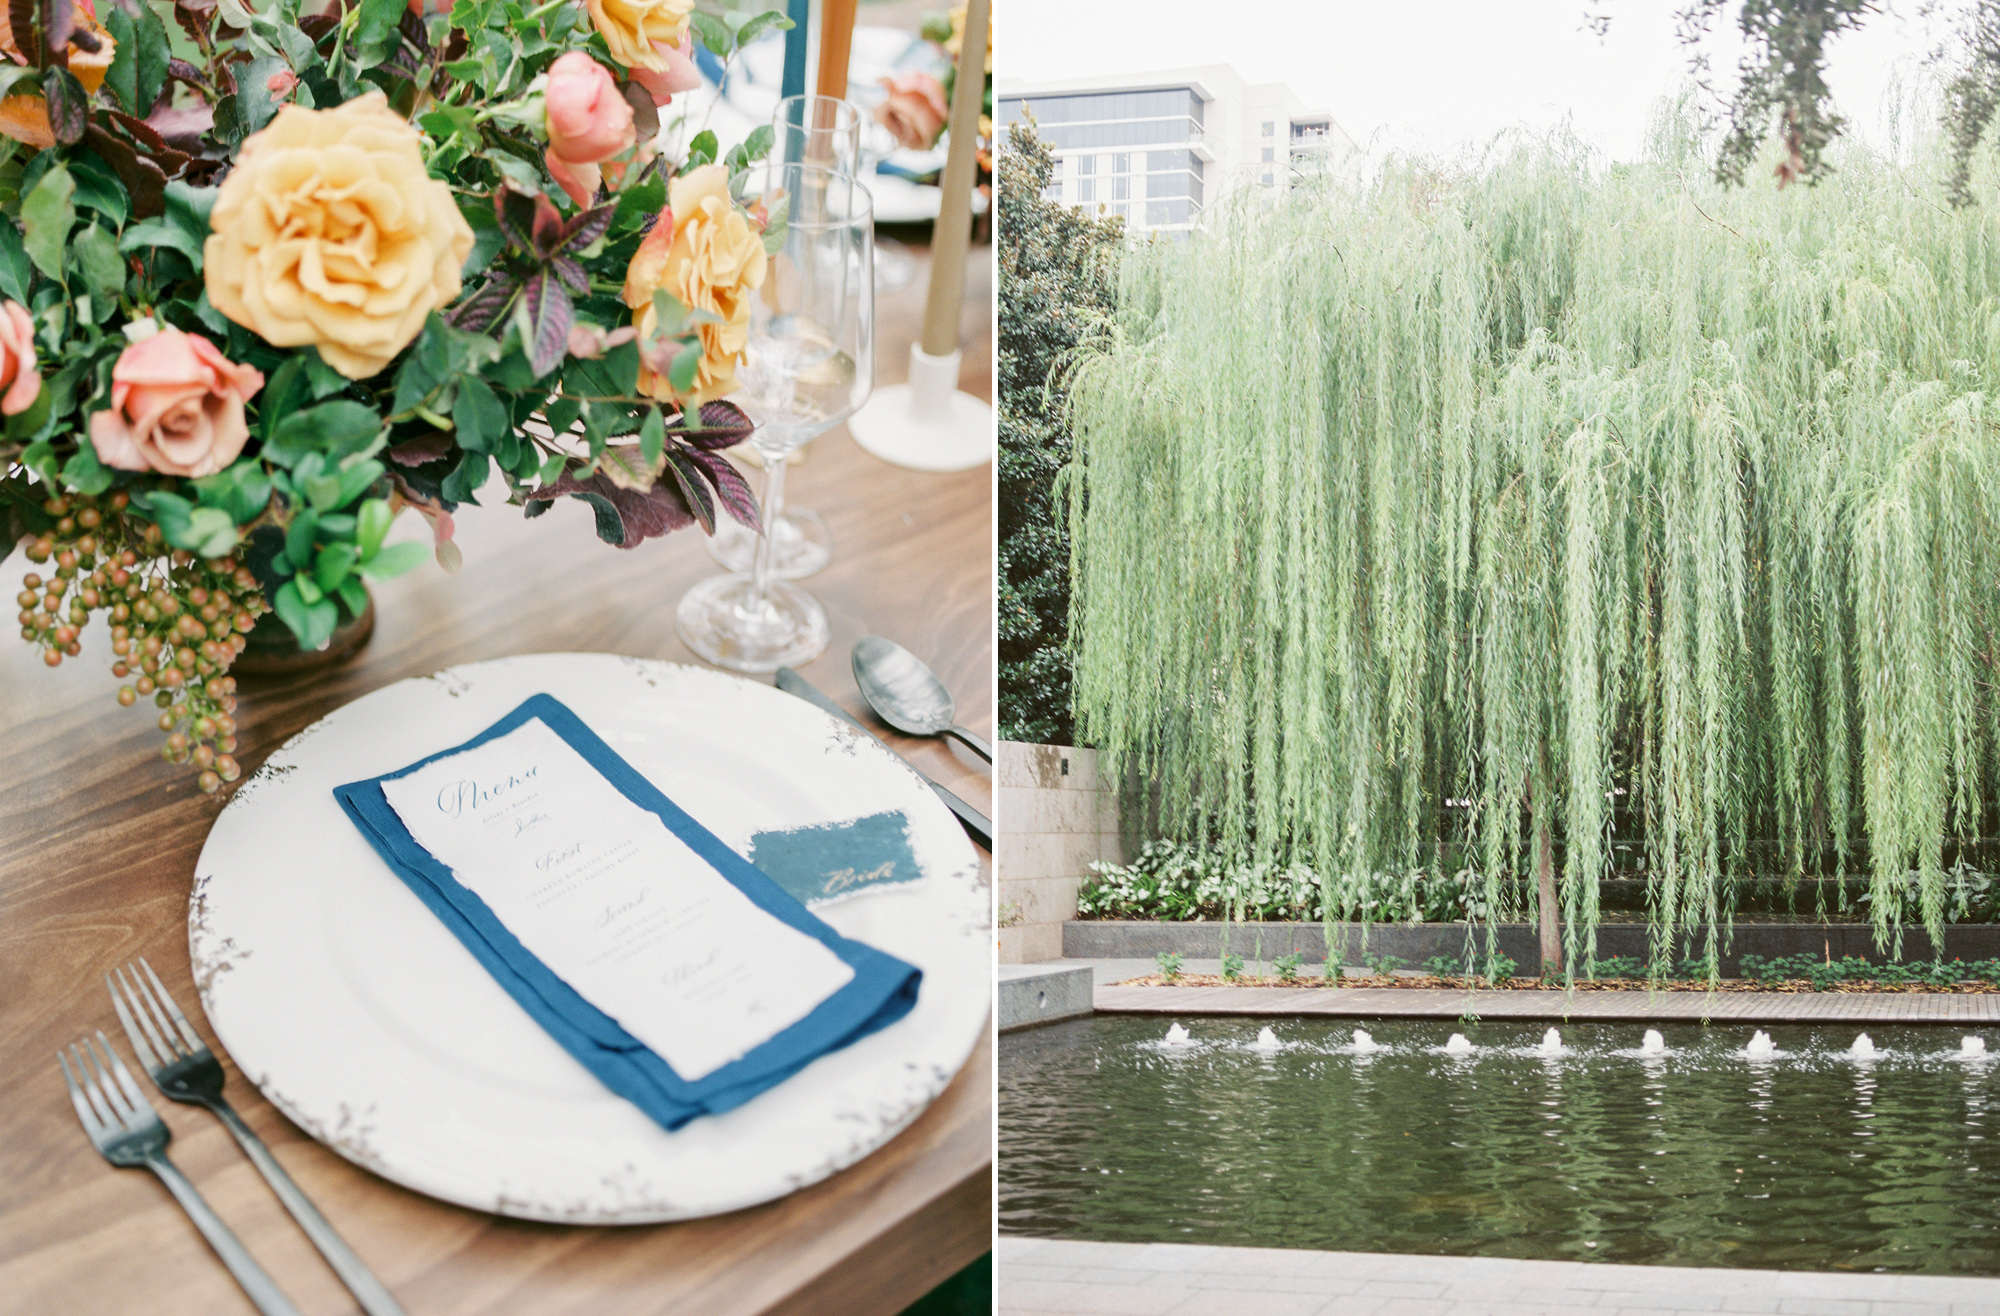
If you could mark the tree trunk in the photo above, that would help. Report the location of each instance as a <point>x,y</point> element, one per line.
<point>1545,900</point>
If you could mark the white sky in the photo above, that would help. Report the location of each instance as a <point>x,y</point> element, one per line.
<point>1438,75</point>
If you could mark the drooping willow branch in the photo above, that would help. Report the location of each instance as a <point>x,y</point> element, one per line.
<point>1557,511</point>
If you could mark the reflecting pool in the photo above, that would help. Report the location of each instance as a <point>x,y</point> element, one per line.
<point>1685,1149</point>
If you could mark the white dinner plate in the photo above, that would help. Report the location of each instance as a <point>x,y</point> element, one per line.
<point>363,1019</point>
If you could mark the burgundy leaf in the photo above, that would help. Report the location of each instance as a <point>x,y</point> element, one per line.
<point>69,105</point>
<point>588,227</point>
<point>487,307</point>
<point>420,451</point>
<point>694,489</point>
<point>550,315</point>
<point>183,127</point>
<point>638,517</point>
<point>185,72</point>
<point>145,181</point>
<point>517,216</point>
<point>645,114</point>
<point>730,487</point>
<point>84,39</point>
<point>570,273</point>
<point>58,21</point>
<point>548,228</point>
<point>720,425</point>
<point>24,18</point>
<point>318,25</point>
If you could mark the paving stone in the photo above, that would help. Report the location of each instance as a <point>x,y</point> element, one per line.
<point>1095,1299</point>
<point>1209,1302</point>
<point>1823,1306</point>
<point>1637,1006</point>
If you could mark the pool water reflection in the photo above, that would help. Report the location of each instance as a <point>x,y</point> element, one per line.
<point>1814,1157</point>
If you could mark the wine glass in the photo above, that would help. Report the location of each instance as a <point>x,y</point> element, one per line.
<point>808,364</point>
<point>823,131</point>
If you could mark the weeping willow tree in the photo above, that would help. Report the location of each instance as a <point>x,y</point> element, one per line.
<point>1493,522</point>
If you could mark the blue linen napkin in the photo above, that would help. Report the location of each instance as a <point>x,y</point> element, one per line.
<point>883,988</point>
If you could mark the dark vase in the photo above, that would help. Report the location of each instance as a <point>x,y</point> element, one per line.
<point>273,649</point>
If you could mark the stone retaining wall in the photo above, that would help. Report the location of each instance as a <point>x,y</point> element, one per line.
<point>1055,819</point>
<point>1109,939</point>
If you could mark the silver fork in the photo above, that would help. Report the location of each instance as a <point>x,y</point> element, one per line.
<point>123,1125</point>
<point>184,1069</point>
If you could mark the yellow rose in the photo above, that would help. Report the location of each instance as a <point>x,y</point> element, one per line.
<point>704,252</point>
<point>641,33</point>
<point>328,232</point>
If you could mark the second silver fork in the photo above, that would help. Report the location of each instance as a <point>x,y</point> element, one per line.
<point>184,1069</point>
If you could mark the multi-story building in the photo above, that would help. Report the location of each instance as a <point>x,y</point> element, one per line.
<point>1158,147</point>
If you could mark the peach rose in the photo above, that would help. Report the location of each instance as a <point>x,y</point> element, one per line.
<point>588,122</point>
<point>633,30</point>
<point>679,75</point>
<point>176,407</point>
<point>17,360</point>
<point>329,232</point>
<point>707,254</point>
<point>914,110</point>
<point>26,118</point>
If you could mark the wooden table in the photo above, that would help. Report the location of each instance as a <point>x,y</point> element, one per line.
<point>98,841</point>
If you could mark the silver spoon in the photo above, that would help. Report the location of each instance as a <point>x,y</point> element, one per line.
<point>908,695</point>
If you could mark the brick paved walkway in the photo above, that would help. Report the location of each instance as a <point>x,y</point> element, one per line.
<point>1047,1277</point>
<point>1638,1006</point>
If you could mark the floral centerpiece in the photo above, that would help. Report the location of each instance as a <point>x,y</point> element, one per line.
<point>270,275</point>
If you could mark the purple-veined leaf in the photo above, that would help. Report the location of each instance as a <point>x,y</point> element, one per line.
<point>420,451</point>
<point>550,315</point>
<point>694,489</point>
<point>183,127</point>
<point>144,180</point>
<point>716,425</point>
<point>625,466</point>
<point>730,487</point>
<point>516,211</point>
<point>548,228</point>
<point>24,19</point>
<point>488,306</point>
<point>151,143</point>
<point>570,273</point>
<point>69,106</point>
<point>638,517</point>
<point>588,227</point>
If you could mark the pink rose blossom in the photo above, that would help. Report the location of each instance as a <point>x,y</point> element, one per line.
<point>176,407</point>
<point>588,121</point>
<point>17,360</point>
<point>914,110</point>
<point>680,73</point>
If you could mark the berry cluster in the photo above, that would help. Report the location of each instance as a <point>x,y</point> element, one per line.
<point>177,621</point>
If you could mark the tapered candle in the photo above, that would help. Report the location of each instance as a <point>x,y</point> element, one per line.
<point>954,222</point>
<point>836,43</point>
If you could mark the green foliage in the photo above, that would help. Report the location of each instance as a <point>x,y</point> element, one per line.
<point>1232,967</point>
<point>1495,969</point>
<point>1823,974</point>
<point>1175,880</point>
<point>1170,964</point>
<point>1416,525</point>
<point>1287,966</point>
<point>1056,292</point>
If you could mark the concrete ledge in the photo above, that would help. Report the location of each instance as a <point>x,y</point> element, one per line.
<point>1109,939</point>
<point>1035,994</point>
<point>1634,1006</point>
<point>1037,1275</point>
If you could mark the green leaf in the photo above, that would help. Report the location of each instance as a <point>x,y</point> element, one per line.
<point>299,538</point>
<point>17,275</point>
<point>103,268</point>
<point>243,490</point>
<point>47,215</point>
<point>26,423</point>
<point>714,34</point>
<point>479,416</point>
<point>771,20</point>
<point>334,429</point>
<point>68,105</point>
<point>84,474</point>
<point>636,203</point>
<point>122,78</point>
<point>254,102</point>
<point>150,57</point>
<point>98,187</point>
<point>394,560</point>
<point>465,479</point>
<point>686,365</point>
<point>702,149</point>
<point>355,595</point>
<point>652,438</point>
<point>375,33</point>
<point>183,228</point>
<point>335,561</point>
<point>371,524</point>
<point>311,622</point>
<point>210,532</point>
<point>751,149</point>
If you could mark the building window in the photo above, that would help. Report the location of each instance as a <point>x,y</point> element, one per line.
<point>1121,164</point>
<point>1121,189</point>
<point>1269,127</point>
<point>1086,191</point>
<point>1086,165</point>
<point>1266,180</point>
<point>1268,157</point>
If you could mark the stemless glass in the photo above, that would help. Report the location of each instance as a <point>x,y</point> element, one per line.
<point>823,131</point>
<point>809,362</point>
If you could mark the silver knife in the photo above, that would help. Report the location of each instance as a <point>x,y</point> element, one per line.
<point>977,824</point>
